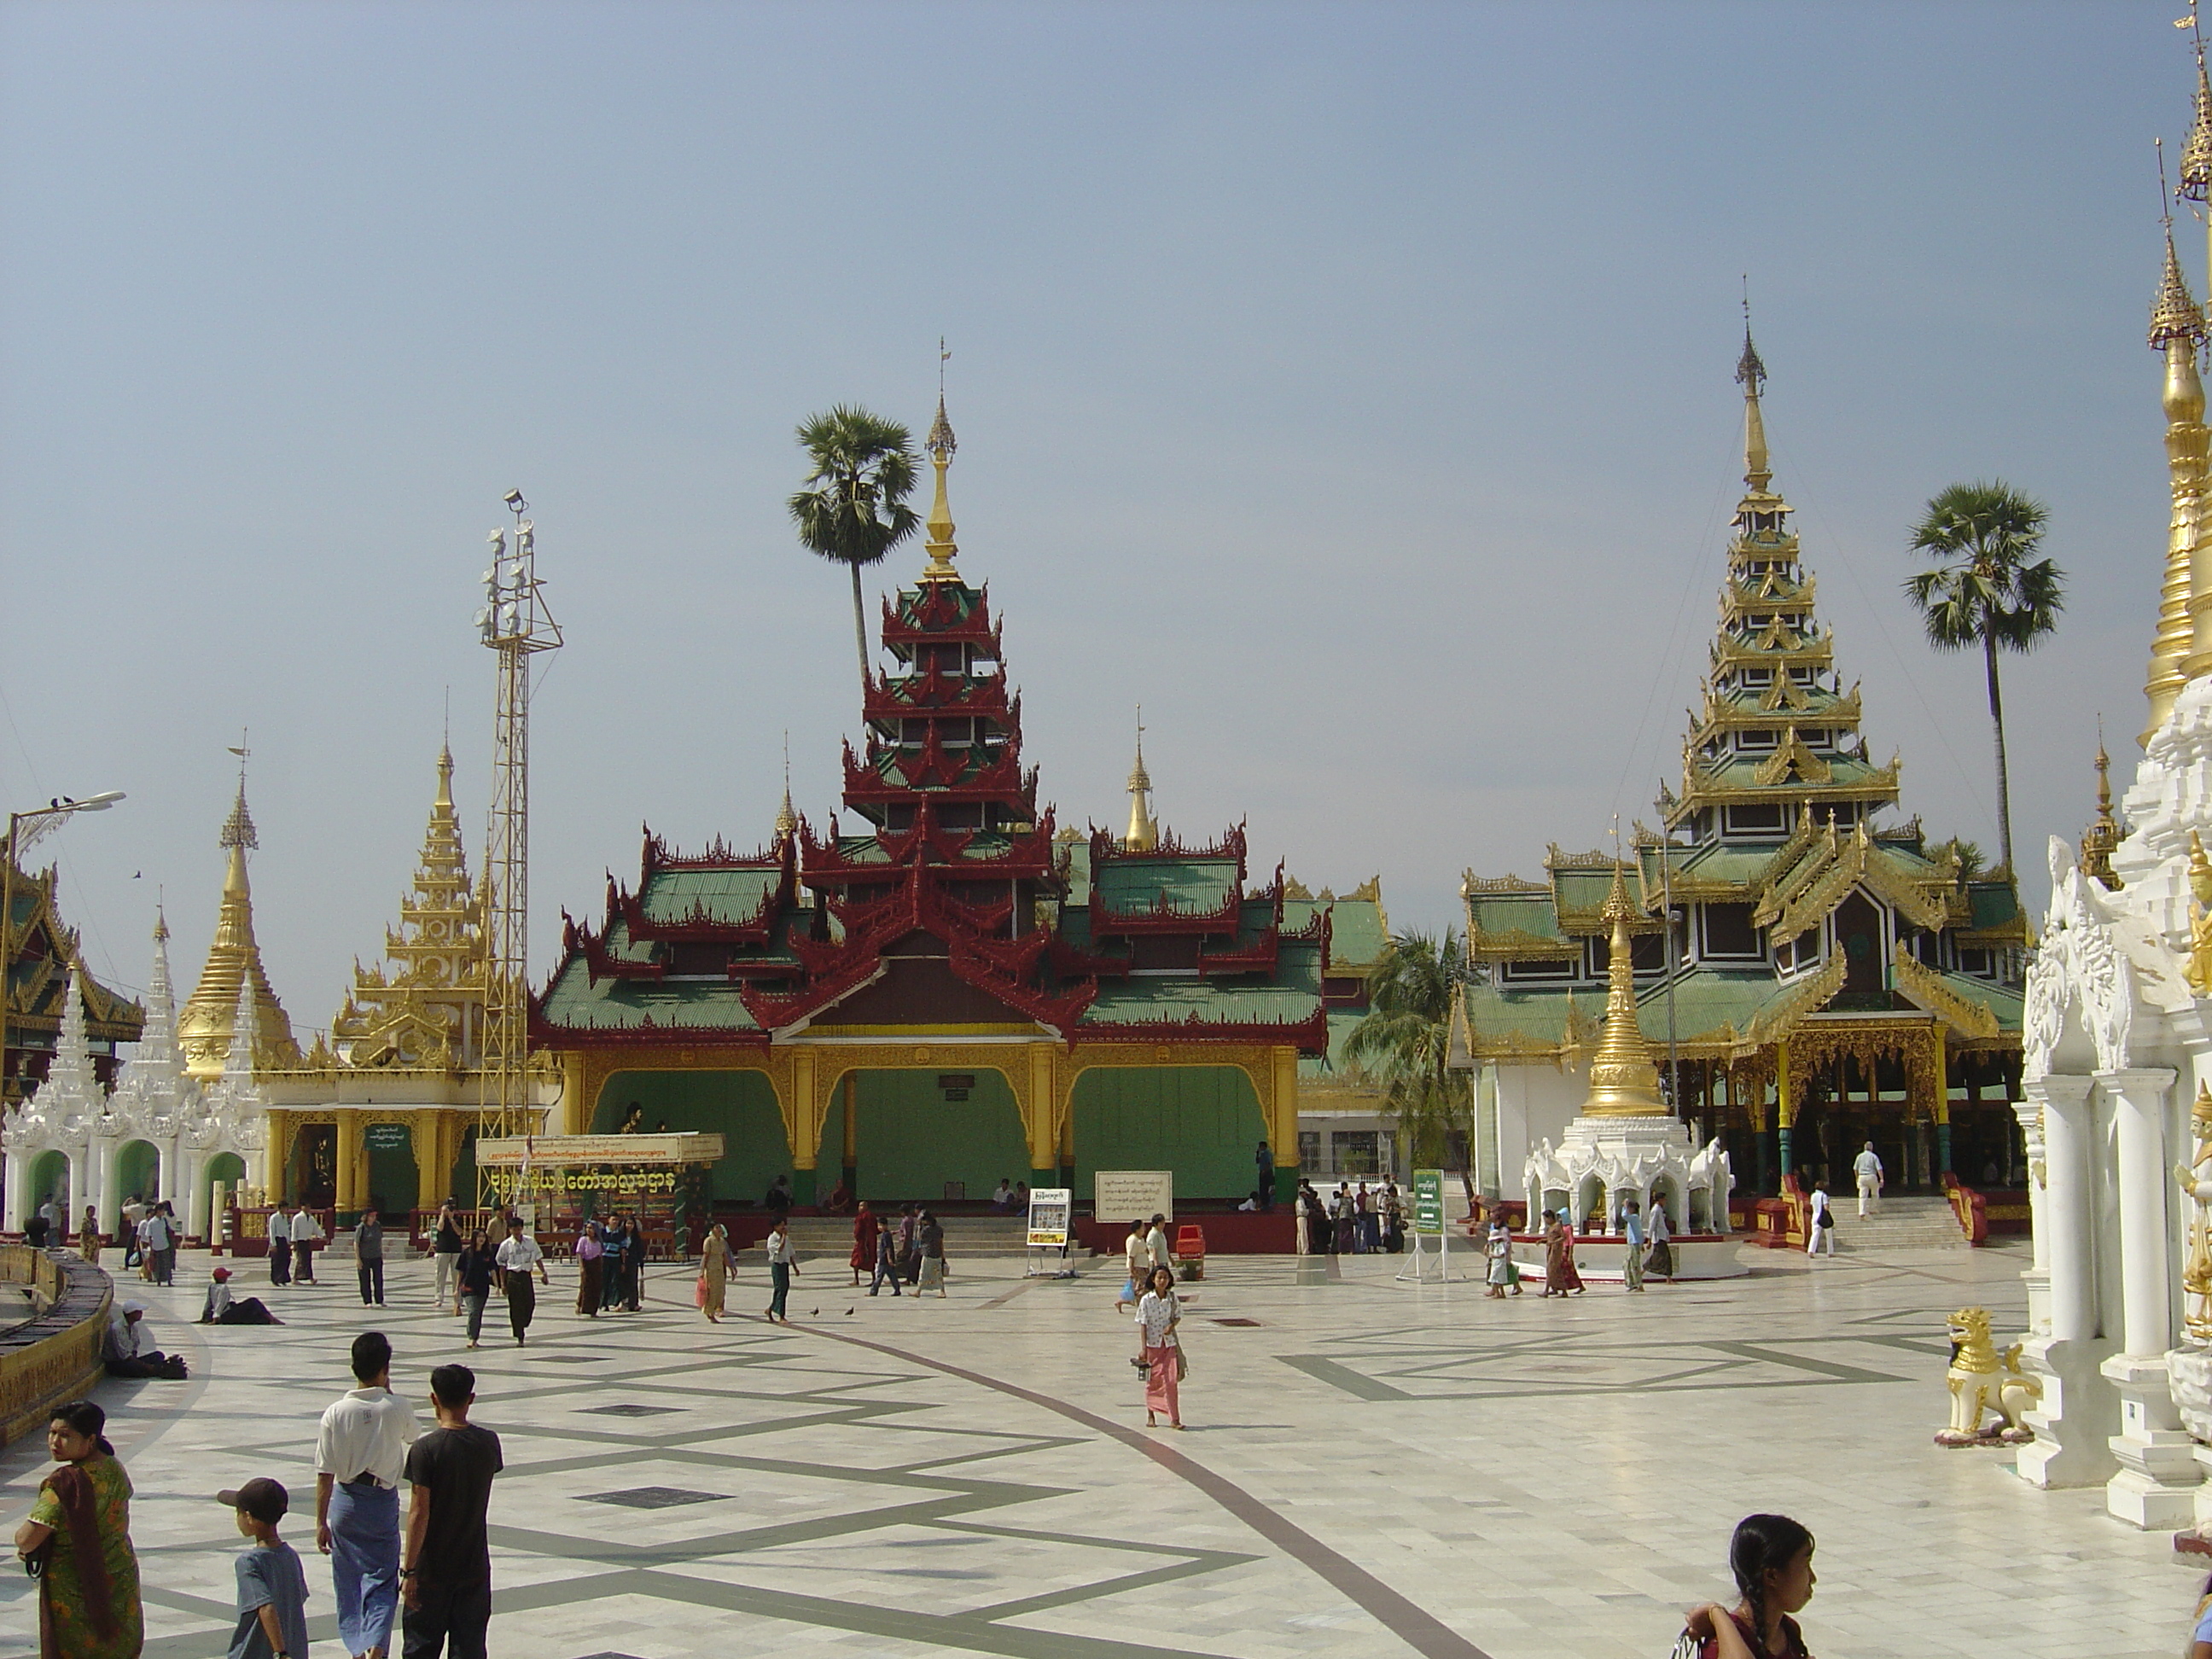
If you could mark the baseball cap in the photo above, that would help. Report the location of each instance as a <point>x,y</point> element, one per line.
<point>265,1500</point>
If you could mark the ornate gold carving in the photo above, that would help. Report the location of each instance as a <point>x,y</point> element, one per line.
<point>1778,1019</point>
<point>1978,1383</point>
<point>1793,757</point>
<point>1926,987</point>
<point>1623,1081</point>
<point>2196,1179</point>
<point>2199,971</point>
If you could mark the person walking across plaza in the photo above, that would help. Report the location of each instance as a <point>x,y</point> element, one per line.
<point>79,1529</point>
<point>1264,1160</point>
<point>887,1268</point>
<point>518,1256</point>
<point>272,1584</point>
<point>1632,1258</point>
<point>932,1255</point>
<point>1497,1247</point>
<point>1770,1558</point>
<point>474,1269</point>
<point>589,1264</point>
<point>783,1262</point>
<point>1820,1224</point>
<point>1158,1315</point>
<point>306,1235</point>
<point>447,1558</point>
<point>1571,1281</point>
<point>279,1231</point>
<point>361,1452</point>
<point>1137,1255</point>
<point>446,1242</point>
<point>368,1257</point>
<point>157,1244</point>
<point>88,1237</point>
<point>1660,1261</point>
<point>1156,1248</point>
<point>1866,1170</point>
<point>863,1241</point>
<point>714,1265</point>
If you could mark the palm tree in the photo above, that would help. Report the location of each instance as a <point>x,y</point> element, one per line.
<point>1402,1043</point>
<point>855,509</point>
<point>1988,589</point>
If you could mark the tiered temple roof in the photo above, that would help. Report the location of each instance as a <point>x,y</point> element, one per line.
<point>40,950</point>
<point>1796,901</point>
<point>955,903</point>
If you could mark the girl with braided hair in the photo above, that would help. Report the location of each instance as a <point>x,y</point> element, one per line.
<point>1772,1557</point>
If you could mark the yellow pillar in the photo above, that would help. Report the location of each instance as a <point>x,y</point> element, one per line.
<point>1041,1116</point>
<point>576,1109</point>
<point>1279,1111</point>
<point>350,1154</point>
<point>274,1153</point>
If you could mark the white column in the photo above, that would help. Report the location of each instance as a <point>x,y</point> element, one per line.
<point>193,1196</point>
<point>2154,1485</point>
<point>19,1185</point>
<point>2073,1422</point>
<point>2038,1275</point>
<point>105,1157</point>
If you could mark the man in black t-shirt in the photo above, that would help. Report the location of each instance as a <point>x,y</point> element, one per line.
<point>446,1571</point>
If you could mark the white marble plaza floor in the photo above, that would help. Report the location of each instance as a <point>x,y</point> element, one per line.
<point>1372,1468</point>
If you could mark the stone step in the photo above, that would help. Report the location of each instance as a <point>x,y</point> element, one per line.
<point>1903,1224</point>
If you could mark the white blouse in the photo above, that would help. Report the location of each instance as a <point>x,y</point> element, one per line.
<point>1156,1313</point>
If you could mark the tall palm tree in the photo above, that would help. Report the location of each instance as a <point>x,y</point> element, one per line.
<point>1988,589</point>
<point>854,510</point>
<point>1402,1042</point>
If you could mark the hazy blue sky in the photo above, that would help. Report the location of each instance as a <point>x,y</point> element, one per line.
<point>1350,384</point>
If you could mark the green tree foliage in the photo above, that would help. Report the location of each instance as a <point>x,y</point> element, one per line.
<point>1988,590</point>
<point>1401,1044</point>
<point>853,509</point>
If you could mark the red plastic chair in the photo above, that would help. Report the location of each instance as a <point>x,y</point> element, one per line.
<point>1190,1250</point>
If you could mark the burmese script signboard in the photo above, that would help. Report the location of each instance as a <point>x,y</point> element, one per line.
<point>385,1138</point>
<point>1121,1196</point>
<point>1049,1212</point>
<point>555,1152</point>
<point>1429,1202</point>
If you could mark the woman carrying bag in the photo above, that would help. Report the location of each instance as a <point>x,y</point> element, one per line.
<point>1161,1358</point>
<point>77,1540</point>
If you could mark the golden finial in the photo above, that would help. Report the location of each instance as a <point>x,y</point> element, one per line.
<point>2196,151</point>
<point>2174,314</point>
<point>1623,1080</point>
<point>940,444</point>
<point>2105,834</point>
<point>1144,835</point>
<point>786,821</point>
<point>1751,375</point>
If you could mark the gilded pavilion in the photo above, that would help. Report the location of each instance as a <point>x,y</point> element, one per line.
<point>955,991</point>
<point>39,949</point>
<point>1832,977</point>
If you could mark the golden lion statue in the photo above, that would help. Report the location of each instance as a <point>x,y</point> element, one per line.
<point>1982,1381</point>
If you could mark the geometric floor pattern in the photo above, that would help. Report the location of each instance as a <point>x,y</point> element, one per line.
<point>1373,1468</point>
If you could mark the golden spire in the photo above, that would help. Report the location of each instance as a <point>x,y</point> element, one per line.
<point>1623,1081</point>
<point>940,545</point>
<point>786,821</point>
<point>2102,837</point>
<point>234,960</point>
<point>1751,375</point>
<point>1144,835</point>
<point>2177,328</point>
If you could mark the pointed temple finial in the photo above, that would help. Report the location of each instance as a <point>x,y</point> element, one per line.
<point>1144,835</point>
<point>445,796</point>
<point>234,960</point>
<point>2176,329</point>
<point>1751,375</point>
<point>786,821</point>
<point>940,444</point>
<point>2102,837</point>
<point>1623,1080</point>
<point>2196,149</point>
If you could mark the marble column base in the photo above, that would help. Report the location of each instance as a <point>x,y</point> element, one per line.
<point>2073,1420</point>
<point>2155,1485</point>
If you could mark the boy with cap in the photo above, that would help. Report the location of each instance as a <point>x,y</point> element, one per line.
<point>272,1586</point>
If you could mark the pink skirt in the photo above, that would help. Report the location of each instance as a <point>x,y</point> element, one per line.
<point>1160,1384</point>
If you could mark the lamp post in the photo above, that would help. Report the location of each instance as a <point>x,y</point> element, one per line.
<point>24,830</point>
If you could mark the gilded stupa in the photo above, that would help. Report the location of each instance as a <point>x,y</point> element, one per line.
<point>426,1013</point>
<point>1623,1081</point>
<point>1144,835</point>
<point>233,961</point>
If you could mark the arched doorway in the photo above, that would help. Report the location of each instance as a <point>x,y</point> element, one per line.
<point>925,1135</point>
<point>224,1170</point>
<point>1204,1122</point>
<point>137,1172</point>
<point>49,1178</point>
<point>394,1178</point>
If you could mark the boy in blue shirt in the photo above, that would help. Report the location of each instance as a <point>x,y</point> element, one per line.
<point>272,1586</point>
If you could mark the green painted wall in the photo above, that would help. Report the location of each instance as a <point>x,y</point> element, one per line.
<point>138,1169</point>
<point>1201,1121</point>
<point>912,1139</point>
<point>50,1173</point>
<point>394,1179</point>
<point>739,1106</point>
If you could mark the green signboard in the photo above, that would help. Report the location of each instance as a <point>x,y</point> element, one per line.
<point>385,1138</point>
<point>1429,1202</point>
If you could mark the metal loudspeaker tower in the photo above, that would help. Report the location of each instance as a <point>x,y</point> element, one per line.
<point>516,624</point>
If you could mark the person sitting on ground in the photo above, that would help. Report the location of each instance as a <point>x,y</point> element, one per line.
<point>840,1201</point>
<point>35,1230</point>
<point>1021,1198</point>
<point>127,1350</point>
<point>1002,1200</point>
<point>272,1586</point>
<point>1251,1204</point>
<point>224,1308</point>
<point>2200,1633</point>
<point>1772,1558</point>
<point>779,1195</point>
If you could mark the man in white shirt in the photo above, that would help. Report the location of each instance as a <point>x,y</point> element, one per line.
<point>518,1254</point>
<point>1156,1244</point>
<point>361,1455</point>
<point>1820,1224</point>
<point>307,1233</point>
<point>280,1243</point>
<point>1867,1167</point>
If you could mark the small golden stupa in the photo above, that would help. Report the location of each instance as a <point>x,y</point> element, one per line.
<point>1623,1080</point>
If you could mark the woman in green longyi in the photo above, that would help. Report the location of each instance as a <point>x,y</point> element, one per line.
<point>89,1606</point>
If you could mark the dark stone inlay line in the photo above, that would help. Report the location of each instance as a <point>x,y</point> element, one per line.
<point>1411,1624</point>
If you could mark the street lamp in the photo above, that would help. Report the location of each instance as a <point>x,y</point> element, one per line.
<point>26,830</point>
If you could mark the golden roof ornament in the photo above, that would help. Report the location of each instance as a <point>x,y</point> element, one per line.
<point>1751,375</point>
<point>206,1026</point>
<point>1623,1080</point>
<point>2098,841</point>
<point>786,821</point>
<point>1144,835</point>
<point>940,444</point>
<point>2177,328</point>
<point>2197,150</point>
